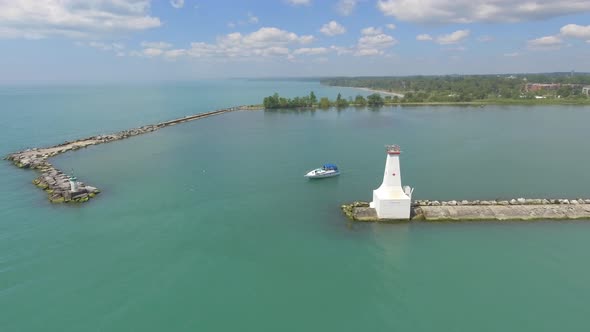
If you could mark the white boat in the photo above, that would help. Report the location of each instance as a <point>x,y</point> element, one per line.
<point>326,171</point>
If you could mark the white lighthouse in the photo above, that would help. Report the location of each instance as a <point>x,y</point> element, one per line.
<point>73,183</point>
<point>391,200</point>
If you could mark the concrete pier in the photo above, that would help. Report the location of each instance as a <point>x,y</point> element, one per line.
<point>57,184</point>
<point>464,210</point>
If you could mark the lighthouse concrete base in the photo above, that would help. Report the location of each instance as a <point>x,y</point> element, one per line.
<point>391,204</point>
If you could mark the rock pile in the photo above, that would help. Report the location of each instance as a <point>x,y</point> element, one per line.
<point>514,201</point>
<point>52,180</point>
<point>56,183</point>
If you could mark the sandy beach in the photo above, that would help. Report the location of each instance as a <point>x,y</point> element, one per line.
<point>386,93</point>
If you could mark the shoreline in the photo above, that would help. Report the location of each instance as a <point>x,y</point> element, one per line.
<point>507,102</point>
<point>387,93</point>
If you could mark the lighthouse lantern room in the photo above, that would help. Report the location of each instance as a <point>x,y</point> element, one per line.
<point>391,200</point>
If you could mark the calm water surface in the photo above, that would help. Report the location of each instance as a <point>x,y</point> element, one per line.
<point>210,226</point>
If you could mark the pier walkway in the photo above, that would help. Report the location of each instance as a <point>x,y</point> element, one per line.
<point>513,209</point>
<point>57,184</point>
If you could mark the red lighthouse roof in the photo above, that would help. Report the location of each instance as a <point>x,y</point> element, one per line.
<point>393,149</point>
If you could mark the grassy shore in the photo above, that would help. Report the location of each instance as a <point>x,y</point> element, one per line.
<point>506,102</point>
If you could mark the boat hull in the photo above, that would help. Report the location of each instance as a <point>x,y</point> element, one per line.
<point>321,176</point>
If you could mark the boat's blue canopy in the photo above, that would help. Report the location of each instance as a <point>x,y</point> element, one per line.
<point>330,166</point>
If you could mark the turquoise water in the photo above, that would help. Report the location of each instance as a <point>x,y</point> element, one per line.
<point>209,225</point>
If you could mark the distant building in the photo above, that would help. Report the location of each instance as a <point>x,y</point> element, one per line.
<point>532,87</point>
<point>586,90</point>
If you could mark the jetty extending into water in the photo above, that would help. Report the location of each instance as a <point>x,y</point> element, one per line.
<point>58,185</point>
<point>393,202</point>
<point>466,210</point>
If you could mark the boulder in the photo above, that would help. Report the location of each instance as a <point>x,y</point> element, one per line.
<point>513,202</point>
<point>453,203</point>
<point>56,199</point>
<point>92,189</point>
<point>465,202</point>
<point>79,196</point>
<point>435,203</point>
<point>521,200</point>
<point>503,203</point>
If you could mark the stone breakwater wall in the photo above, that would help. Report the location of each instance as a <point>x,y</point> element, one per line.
<point>465,210</point>
<point>514,201</point>
<point>57,184</point>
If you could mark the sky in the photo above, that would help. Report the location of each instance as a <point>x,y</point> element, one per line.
<point>145,40</point>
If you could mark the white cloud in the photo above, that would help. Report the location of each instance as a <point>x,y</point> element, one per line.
<point>299,2</point>
<point>177,3</point>
<point>341,50</point>
<point>424,37</point>
<point>251,19</point>
<point>73,18</point>
<point>346,7</point>
<point>453,38</point>
<point>158,45</point>
<point>332,28</point>
<point>485,39</point>
<point>371,31</point>
<point>390,26</point>
<point>469,11</point>
<point>377,41</point>
<point>106,46</point>
<point>311,51</point>
<point>368,52</point>
<point>513,54</point>
<point>173,54</point>
<point>576,31</point>
<point>374,44</point>
<point>265,42</point>
<point>455,49</point>
<point>117,48</point>
<point>150,52</point>
<point>547,42</point>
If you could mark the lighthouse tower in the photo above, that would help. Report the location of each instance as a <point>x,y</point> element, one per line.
<point>73,183</point>
<point>391,200</point>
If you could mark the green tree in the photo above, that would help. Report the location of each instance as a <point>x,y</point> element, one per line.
<point>375,100</point>
<point>324,102</point>
<point>271,101</point>
<point>564,91</point>
<point>360,100</point>
<point>341,102</point>
<point>312,98</point>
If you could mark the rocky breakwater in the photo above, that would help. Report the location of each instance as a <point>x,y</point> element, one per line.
<point>465,210</point>
<point>53,181</point>
<point>509,209</point>
<point>57,184</point>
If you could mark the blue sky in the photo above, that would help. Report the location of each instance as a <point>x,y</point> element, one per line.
<point>128,40</point>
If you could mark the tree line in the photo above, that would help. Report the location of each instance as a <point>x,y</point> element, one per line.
<point>467,88</point>
<point>275,101</point>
